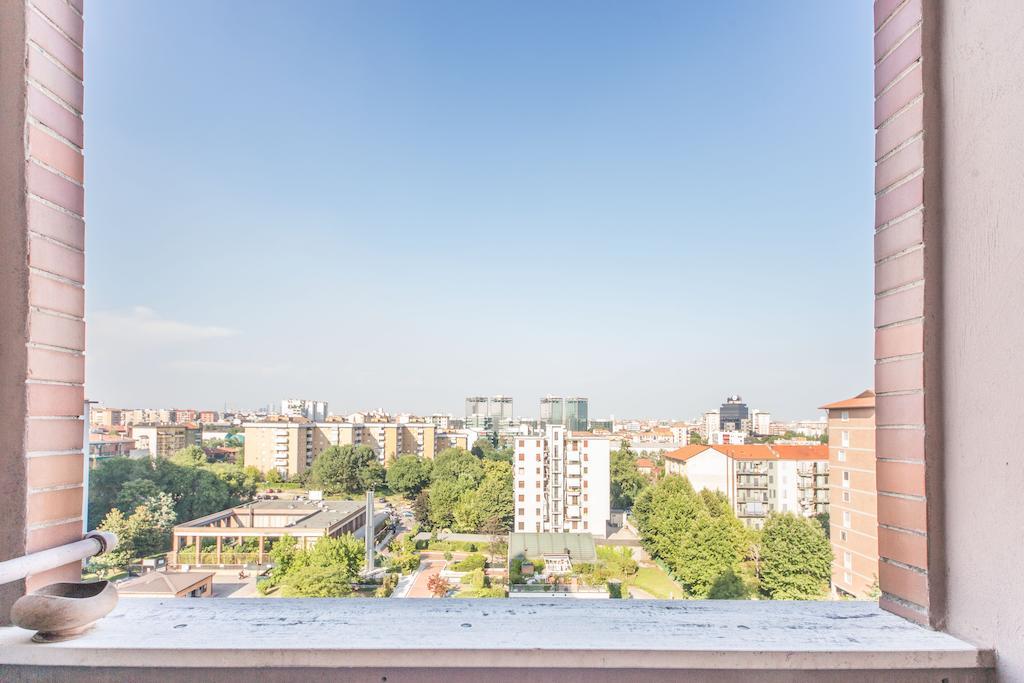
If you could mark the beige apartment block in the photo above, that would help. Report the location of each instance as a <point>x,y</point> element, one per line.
<point>285,447</point>
<point>854,496</point>
<point>758,479</point>
<point>163,440</point>
<point>105,417</point>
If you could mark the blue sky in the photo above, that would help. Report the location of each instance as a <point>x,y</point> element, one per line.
<point>398,204</point>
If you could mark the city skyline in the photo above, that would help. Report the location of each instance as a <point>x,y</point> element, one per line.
<point>591,200</point>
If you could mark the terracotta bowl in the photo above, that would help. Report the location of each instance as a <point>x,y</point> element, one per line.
<point>63,610</point>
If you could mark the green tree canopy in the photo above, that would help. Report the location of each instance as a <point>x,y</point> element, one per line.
<point>457,464</point>
<point>190,456</point>
<point>626,480</point>
<point>346,469</point>
<point>408,475</point>
<point>796,558</point>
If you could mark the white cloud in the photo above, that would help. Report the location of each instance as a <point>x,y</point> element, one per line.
<point>143,324</point>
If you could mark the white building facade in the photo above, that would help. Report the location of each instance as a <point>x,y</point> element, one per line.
<point>562,482</point>
<point>314,411</point>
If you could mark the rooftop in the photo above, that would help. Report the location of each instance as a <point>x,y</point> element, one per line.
<point>765,451</point>
<point>579,547</point>
<point>169,583</point>
<point>865,399</point>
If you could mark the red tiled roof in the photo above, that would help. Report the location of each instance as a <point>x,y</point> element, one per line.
<point>757,451</point>
<point>644,462</point>
<point>865,399</point>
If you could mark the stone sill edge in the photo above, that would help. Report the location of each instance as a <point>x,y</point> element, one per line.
<point>17,650</point>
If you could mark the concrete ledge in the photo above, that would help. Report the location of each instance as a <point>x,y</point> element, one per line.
<point>499,635</point>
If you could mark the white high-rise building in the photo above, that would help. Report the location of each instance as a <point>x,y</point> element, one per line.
<point>314,411</point>
<point>760,423</point>
<point>562,482</point>
<point>710,424</point>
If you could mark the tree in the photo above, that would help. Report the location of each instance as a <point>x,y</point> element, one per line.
<point>728,586</point>
<point>824,521</point>
<point>456,464</point>
<point>149,526</point>
<point>134,493</point>
<point>626,480</point>
<point>712,549</point>
<point>495,530</point>
<point>444,496</point>
<point>190,456</point>
<point>696,439</point>
<point>796,558</point>
<point>315,582</point>
<point>283,553</point>
<point>404,557</point>
<point>344,468</point>
<point>408,475</point>
<point>495,494</point>
<point>421,508</point>
<point>438,586</point>
<point>113,560</point>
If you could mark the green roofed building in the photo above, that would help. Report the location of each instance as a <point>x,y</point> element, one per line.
<point>556,549</point>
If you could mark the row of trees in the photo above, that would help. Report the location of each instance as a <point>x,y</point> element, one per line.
<point>466,493</point>
<point>698,537</point>
<point>141,500</point>
<point>626,480</point>
<point>195,486</point>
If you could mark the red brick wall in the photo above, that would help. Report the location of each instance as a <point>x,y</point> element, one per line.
<point>907,452</point>
<point>44,263</point>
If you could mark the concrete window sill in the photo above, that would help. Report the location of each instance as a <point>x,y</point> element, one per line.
<point>487,639</point>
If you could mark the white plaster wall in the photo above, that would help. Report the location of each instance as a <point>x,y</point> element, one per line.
<point>708,470</point>
<point>982,83</point>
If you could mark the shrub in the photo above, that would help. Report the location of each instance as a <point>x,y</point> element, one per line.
<point>470,563</point>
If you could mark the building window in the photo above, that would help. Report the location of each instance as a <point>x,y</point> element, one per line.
<point>848,560</point>
<point>538,511</point>
<point>846,479</point>
<point>521,442</point>
<point>848,578</point>
<point>585,525</point>
<point>846,518</point>
<point>842,536</point>
<point>521,497</point>
<point>538,497</point>
<point>846,496</point>
<point>841,456</point>
<point>522,484</point>
<point>520,526</point>
<point>846,439</point>
<point>522,456</point>
<point>845,416</point>
<point>522,511</point>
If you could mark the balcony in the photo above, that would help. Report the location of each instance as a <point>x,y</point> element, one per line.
<point>472,640</point>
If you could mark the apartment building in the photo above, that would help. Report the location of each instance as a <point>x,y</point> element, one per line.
<point>289,445</point>
<point>285,446</point>
<point>391,439</point>
<point>208,416</point>
<point>314,411</point>
<point>570,412</point>
<point>853,495</point>
<point>489,413</point>
<point>105,417</point>
<point>183,415</point>
<point>562,482</point>
<point>758,478</point>
<point>163,440</point>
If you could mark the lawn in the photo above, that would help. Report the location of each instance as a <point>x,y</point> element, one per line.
<point>656,582</point>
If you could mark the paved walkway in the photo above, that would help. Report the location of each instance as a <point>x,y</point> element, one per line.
<point>428,569</point>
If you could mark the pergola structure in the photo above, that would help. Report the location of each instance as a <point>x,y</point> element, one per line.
<point>305,521</point>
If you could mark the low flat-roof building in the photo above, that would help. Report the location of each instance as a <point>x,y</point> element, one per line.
<point>305,521</point>
<point>169,585</point>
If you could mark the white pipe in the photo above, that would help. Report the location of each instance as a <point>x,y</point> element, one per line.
<point>94,543</point>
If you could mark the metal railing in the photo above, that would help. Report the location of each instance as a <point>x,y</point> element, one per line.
<point>94,543</point>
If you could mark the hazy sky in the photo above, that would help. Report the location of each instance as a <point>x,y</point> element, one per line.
<point>398,204</point>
